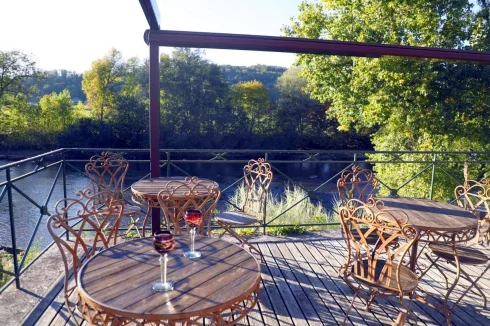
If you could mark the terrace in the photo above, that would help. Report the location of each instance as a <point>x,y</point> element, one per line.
<point>299,286</point>
<point>299,283</point>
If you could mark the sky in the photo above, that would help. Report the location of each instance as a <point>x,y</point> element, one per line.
<point>69,34</point>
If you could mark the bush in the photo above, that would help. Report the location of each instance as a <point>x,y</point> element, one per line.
<point>298,209</point>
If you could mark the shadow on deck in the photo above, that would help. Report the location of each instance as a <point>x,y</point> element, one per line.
<point>299,287</point>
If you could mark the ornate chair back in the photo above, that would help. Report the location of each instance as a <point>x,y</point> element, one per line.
<point>107,172</point>
<point>376,265</point>
<point>89,231</point>
<point>356,183</point>
<point>179,196</point>
<point>475,196</point>
<point>258,177</point>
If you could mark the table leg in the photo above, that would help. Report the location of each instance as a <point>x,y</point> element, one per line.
<point>413,255</point>
<point>155,220</point>
<point>147,215</point>
<point>447,310</point>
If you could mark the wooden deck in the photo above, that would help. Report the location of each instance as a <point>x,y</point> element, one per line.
<point>300,287</point>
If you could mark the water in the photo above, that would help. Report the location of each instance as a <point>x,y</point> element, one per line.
<point>26,215</point>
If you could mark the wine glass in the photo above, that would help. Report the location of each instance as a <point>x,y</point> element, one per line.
<point>193,218</point>
<point>163,242</point>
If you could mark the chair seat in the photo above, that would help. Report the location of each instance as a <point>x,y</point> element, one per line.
<point>235,218</point>
<point>466,255</point>
<point>408,279</point>
<point>129,210</point>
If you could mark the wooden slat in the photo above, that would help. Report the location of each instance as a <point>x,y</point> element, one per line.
<point>224,273</point>
<point>432,215</point>
<point>300,287</point>
<point>343,291</point>
<point>339,248</point>
<point>297,290</point>
<point>288,297</point>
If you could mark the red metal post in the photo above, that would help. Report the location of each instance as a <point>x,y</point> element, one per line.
<point>155,126</point>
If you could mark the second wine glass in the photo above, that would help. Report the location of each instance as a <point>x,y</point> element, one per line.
<point>163,242</point>
<point>193,217</point>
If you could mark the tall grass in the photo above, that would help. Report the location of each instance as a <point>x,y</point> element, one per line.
<point>298,209</point>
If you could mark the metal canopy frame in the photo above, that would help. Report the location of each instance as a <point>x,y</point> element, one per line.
<point>155,38</point>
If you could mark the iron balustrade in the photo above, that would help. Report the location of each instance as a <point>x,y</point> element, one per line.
<point>65,159</point>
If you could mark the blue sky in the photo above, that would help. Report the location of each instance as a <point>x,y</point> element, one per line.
<point>68,34</point>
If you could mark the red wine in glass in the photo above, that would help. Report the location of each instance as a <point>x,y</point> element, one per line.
<point>193,217</point>
<point>163,242</point>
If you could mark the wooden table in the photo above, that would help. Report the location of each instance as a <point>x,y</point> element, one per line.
<point>437,222</point>
<point>145,193</point>
<point>115,286</point>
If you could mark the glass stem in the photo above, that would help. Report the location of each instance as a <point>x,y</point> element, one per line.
<point>163,264</point>
<point>193,237</point>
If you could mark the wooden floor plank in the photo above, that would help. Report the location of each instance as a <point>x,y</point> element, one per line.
<point>375,317</point>
<point>276,302</point>
<point>300,287</point>
<point>302,278</point>
<point>302,298</point>
<point>289,299</point>
<point>339,247</point>
<point>336,289</point>
<point>310,269</point>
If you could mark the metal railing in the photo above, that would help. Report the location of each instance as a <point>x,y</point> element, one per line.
<point>432,166</point>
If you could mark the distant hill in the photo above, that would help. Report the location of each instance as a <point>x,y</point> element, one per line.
<point>267,75</point>
<point>58,80</point>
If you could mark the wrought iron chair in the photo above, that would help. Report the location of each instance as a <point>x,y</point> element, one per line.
<point>360,184</point>
<point>475,197</point>
<point>106,173</point>
<point>179,196</point>
<point>377,268</point>
<point>258,177</point>
<point>89,233</point>
<point>356,183</point>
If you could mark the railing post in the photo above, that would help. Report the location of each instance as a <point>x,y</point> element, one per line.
<point>12,229</point>
<point>433,175</point>
<point>65,193</point>
<point>168,164</point>
<point>264,216</point>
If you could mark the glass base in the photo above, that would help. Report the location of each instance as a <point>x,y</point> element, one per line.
<point>192,254</point>
<point>163,287</point>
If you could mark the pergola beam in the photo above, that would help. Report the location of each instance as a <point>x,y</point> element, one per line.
<point>150,8</point>
<point>303,45</point>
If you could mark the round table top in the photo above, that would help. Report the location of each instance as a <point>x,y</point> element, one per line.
<point>119,279</point>
<point>150,188</point>
<point>431,215</point>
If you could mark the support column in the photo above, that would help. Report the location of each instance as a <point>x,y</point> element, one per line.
<point>155,126</point>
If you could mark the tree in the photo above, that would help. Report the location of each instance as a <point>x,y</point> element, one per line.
<point>56,111</point>
<point>405,104</point>
<point>194,96</point>
<point>15,67</point>
<point>253,99</point>
<point>103,81</point>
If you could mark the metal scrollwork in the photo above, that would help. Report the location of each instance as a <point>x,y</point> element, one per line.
<point>224,316</point>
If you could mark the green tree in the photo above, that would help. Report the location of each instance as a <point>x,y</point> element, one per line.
<point>194,96</point>
<point>404,104</point>
<point>15,67</point>
<point>56,111</point>
<point>253,99</point>
<point>103,81</point>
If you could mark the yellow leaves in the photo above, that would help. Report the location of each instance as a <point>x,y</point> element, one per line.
<point>343,128</point>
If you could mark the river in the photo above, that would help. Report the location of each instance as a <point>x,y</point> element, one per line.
<point>26,215</point>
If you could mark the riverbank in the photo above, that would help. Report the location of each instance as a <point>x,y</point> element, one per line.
<point>19,155</point>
